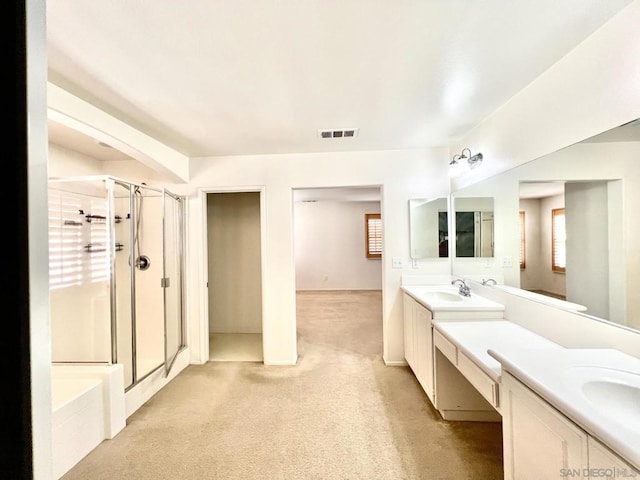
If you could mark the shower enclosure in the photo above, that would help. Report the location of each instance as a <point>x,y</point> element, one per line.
<point>116,274</point>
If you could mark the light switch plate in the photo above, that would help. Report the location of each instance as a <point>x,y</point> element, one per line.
<point>396,262</point>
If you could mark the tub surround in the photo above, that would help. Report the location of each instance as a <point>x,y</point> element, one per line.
<point>88,406</point>
<point>112,379</point>
<point>77,420</point>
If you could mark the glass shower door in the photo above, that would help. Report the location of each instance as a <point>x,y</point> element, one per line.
<point>122,277</point>
<point>172,280</point>
<point>147,252</point>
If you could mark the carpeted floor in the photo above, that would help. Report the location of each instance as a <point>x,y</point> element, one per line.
<point>339,414</point>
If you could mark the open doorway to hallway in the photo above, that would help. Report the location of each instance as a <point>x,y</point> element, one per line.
<point>337,284</point>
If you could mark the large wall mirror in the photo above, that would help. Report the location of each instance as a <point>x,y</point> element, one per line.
<point>567,226</point>
<point>428,227</point>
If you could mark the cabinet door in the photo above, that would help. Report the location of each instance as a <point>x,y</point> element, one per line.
<point>605,464</point>
<point>424,349</point>
<point>539,442</point>
<point>408,304</point>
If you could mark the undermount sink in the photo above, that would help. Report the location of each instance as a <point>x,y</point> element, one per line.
<point>443,296</point>
<point>615,393</point>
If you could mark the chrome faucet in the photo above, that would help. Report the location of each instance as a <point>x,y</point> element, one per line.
<point>489,281</point>
<point>465,291</point>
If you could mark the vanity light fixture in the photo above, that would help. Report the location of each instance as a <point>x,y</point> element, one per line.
<point>458,165</point>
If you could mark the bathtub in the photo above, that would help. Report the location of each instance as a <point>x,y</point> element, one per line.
<point>87,407</point>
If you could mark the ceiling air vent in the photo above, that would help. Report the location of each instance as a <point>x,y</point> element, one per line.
<point>340,133</point>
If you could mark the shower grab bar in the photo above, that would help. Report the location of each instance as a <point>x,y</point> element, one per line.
<point>99,247</point>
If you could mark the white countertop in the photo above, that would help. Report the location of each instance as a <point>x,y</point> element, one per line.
<point>475,338</point>
<point>473,303</point>
<point>558,376</point>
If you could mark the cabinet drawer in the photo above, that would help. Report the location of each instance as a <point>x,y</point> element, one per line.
<point>445,346</point>
<point>487,387</point>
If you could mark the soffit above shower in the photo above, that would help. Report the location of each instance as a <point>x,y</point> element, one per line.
<point>72,139</point>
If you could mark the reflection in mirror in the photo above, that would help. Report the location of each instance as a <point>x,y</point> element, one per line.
<point>474,226</point>
<point>427,233</point>
<point>570,254</point>
<point>593,188</point>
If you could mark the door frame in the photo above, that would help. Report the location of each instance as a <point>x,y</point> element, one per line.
<point>380,187</point>
<point>204,254</point>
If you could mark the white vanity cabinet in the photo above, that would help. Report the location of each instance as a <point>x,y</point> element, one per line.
<point>540,442</point>
<point>603,463</point>
<point>418,342</point>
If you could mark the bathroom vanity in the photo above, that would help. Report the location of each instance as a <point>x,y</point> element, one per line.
<point>425,306</point>
<point>579,409</point>
<point>566,412</point>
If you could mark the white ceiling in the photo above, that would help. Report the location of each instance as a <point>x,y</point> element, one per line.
<point>234,77</point>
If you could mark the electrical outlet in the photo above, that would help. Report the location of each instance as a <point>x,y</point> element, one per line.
<point>396,262</point>
<point>507,262</point>
<point>414,263</point>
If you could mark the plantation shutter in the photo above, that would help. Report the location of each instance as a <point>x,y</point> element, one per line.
<point>78,240</point>
<point>523,262</point>
<point>373,228</point>
<point>558,239</point>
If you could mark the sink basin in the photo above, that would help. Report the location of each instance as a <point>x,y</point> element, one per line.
<point>443,296</point>
<point>447,299</point>
<point>614,393</point>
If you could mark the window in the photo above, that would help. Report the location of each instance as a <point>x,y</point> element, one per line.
<point>558,241</point>
<point>523,262</point>
<point>373,231</point>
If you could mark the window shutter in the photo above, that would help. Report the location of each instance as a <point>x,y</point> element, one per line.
<point>373,226</point>
<point>558,239</point>
<point>78,248</point>
<point>523,242</point>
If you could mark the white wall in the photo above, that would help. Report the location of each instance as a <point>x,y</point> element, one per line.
<point>590,90</point>
<point>587,224</point>
<point>402,174</point>
<point>64,163</point>
<point>330,246</point>
<point>39,325</point>
<point>530,276</point>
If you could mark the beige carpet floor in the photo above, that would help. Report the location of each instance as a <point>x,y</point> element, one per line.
<point>339,414</point>
<point>235,347</point>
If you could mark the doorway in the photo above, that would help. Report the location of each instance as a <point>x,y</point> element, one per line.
<point>235,276</point>
<point>330,251</point>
